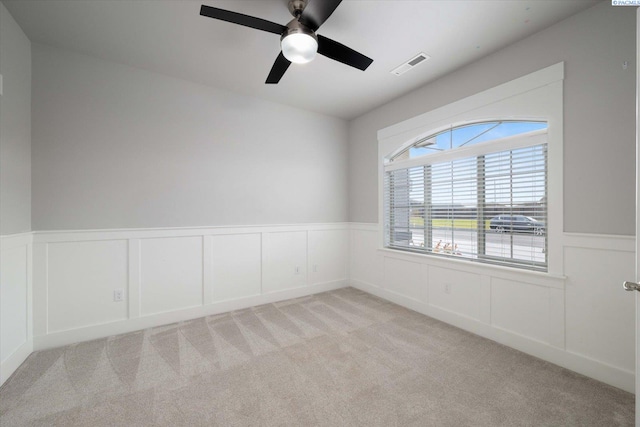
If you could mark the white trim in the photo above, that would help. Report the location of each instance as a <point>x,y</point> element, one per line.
<point>19,355</point>
<point>365,226</point>
<point>552,350</point>
<point>609,242</point>
<point>134,318</point>
<point>555,179</point>
<point>53,236</point>
<point>513,142</point>
<point>549,341</point>
<point>508,273</point>
<point>40,288</point>
<point>133,289</point>
<point>576,362</point>
<point>539,96</point>
<point>58,339</point>
<point>13,362</point>
<point>207,270</point>
<point>409,128</point>
<point>9,241</point>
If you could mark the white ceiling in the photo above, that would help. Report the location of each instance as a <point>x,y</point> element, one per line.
<point>170,37</point>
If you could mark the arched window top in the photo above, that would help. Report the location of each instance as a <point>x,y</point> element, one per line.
<point>466,135</point>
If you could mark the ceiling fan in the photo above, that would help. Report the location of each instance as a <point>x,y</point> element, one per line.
<point>298,39</point>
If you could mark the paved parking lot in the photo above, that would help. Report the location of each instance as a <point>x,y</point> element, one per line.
<point>526,247</point>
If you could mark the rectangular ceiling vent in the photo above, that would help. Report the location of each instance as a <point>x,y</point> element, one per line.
<point>418,59</point>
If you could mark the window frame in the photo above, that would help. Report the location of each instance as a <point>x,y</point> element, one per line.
<point>390,159</point>
<point>477,152</point>
<point>535,97</point>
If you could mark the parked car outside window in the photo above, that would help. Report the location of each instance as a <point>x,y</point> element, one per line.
<point>517,223</point>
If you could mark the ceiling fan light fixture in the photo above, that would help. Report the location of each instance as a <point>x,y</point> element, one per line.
<point>298,40</point>
<point>299,44</point>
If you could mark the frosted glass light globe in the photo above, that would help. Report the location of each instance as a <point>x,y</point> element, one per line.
<point>299,48</point>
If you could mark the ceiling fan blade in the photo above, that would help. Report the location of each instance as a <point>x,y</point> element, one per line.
<point>317,11</point>
<point>278,69</point>
<point>341,53</point>
<point>241,19</point>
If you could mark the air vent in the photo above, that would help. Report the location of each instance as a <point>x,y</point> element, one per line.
<point>418,59</point>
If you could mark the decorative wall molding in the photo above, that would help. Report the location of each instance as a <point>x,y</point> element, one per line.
<point>174,274</point>
<point>141,233</point>
<point>547,316</point>
<point>9,241</point>
<point>609,242</point>
<point>365,226</point>
<point>407,128</point>
<point>16,315</point>
<point>13,362</point>
<point>57,339</point>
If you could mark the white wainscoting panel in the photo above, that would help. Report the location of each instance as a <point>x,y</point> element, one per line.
<point>284,256</point>
<point>328,255</point>
<point>174,274</point>
<point>455,291</point>
<point>170,274</point>
<point>15,302</point>
<point>82,277</point>
<point>364,259</point>
<point>600,314</point>
<point>237,266</point>
<point>580,319</point>
<point>405,278</point>
<point>521,308</point>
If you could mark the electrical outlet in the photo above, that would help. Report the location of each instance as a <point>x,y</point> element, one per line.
<point>447,288</point>
<point>118,295</point>
<point>296,270</point>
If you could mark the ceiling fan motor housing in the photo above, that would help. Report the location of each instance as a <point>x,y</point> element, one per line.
<point>297,6</point>
<point>295,27</point>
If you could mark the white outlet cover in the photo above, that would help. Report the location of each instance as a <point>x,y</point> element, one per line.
<point>118,295</point>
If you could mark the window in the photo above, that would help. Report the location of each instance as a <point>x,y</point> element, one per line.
<point>476,191</point>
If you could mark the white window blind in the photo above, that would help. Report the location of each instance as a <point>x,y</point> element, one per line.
<point>489,207</point>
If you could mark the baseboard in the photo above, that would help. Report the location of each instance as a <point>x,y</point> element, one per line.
<point>581,364</point>
<point>89,333</point>
<point>13,362</point>
<point>585,364</point>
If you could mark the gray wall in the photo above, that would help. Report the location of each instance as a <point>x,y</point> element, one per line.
<point>15,127</point>
<point>119,147</point>
<point>599,116</point>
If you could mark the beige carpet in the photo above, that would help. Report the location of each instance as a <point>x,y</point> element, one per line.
<point>337,358</point>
